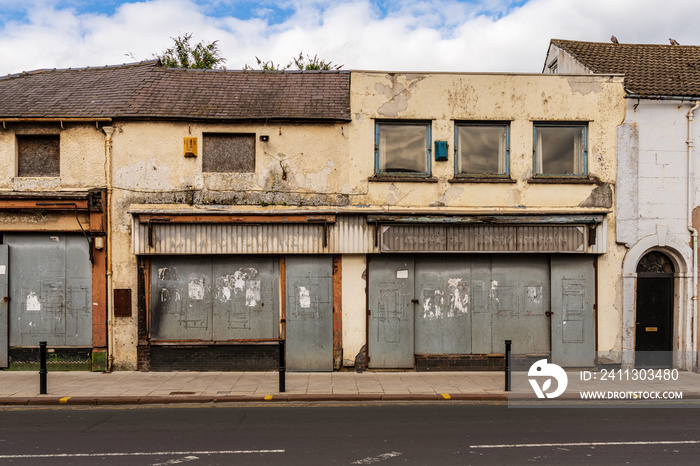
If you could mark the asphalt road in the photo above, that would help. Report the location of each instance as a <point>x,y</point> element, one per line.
<point>444,433</point>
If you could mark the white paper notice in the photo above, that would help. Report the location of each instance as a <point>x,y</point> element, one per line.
<point>402,274</point>
<point>2,270</point>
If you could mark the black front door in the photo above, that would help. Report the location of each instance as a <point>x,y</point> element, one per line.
<point>654,334</point>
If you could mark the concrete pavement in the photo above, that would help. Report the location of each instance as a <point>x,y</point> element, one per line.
<point>131,387</point>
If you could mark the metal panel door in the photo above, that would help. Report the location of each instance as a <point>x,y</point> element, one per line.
<point>442,316</point>
<point>51,290</point>
<point>4,301</point>
<point>246,303</point>
<point>391,287</point>
<point>573,311</point>
<point>181,298</point>
<point>309,283</point>
<point>519,301</point>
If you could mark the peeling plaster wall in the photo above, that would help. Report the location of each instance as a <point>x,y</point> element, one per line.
<point>520,99</point>
<point>301,164</point>
<point>82,154</point>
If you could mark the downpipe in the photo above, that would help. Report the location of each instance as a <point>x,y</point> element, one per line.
<point>691,360</point>
<point>109,131</point>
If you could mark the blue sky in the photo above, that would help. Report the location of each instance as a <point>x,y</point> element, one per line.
<point>410,35</point>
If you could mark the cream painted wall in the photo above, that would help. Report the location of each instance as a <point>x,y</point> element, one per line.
<point>519,99</point>
<point>82,155</point>
<point>354,289</point>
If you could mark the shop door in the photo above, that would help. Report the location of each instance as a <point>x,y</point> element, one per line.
<point>654,320</point>
<point>50,290</point>
<point>654,329</point>
<point>391,309</point>
<point>442,320</point>
<point>573,311</point>
<point>309,313</point>
<point>4,301</point>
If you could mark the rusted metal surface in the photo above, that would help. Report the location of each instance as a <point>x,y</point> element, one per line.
<point>99,299</point>
<point>358,234</point>
<point>122,303</point>
<point>44,204</point>
<point>476,238</point>
<point>236,218</point>
<point>4,305</point>
<point>529,219</point>
<point>337,312</point>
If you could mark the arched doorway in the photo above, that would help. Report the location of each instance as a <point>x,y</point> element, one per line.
<point>654,317</point>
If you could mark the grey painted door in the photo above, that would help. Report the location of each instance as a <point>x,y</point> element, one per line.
<point>309,313</point>
<point>391,306</point>
<point>50,290</point>
<point>442,320</point>
<point>519,301</point>
<point>573,310</point>
<point>4,301</point>
<point>214,298</point>
<point>245,298</point>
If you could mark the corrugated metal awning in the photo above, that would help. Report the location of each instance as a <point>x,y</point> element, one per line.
<point>362,234</point>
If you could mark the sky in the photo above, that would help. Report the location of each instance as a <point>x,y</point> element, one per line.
<point>411,35</point>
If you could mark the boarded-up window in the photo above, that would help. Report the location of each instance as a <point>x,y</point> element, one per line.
<point>38,155</point>
<point>228,153</point>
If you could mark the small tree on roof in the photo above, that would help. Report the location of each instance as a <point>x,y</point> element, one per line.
<point>308,63</point>
<point>202,56</point>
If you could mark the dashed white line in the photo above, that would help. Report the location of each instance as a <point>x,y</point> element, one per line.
<point>138,453</point>
<point>378,458</point>
<point>588,444</point>
<point>177,461</point>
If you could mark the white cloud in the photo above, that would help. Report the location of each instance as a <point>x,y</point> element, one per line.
<point>439,35</point>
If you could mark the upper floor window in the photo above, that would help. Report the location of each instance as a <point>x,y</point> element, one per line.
<point>402,148</point>
<point>560,149</point>
<point>228,153</point>
<point>38,155</point>
<point>481,149</point>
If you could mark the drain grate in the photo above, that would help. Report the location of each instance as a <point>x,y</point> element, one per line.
<point>182,393</point>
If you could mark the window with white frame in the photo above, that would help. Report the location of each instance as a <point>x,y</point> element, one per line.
<point>560,149</point>
<point>402,148</point>
<point>481,149</point>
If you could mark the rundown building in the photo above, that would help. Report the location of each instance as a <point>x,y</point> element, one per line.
<point>657,192</point>
<point>415,219</point>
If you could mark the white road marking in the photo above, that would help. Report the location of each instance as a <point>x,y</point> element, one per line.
<point>377,459</point>
<point>146,453</point>
<point>181,460</point>
<point>588,444</point>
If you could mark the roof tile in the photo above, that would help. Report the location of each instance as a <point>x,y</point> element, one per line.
<point>147,90</point>
<point>649,69</point>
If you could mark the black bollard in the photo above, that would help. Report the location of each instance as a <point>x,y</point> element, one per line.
<point>508,365</point>
<point>42,368</point>
<point>283,368</point>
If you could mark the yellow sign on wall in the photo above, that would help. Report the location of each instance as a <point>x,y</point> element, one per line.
<point>190,147</point>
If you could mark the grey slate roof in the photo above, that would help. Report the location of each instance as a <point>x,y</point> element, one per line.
<point>649,69</point>
<point>148,91</point>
